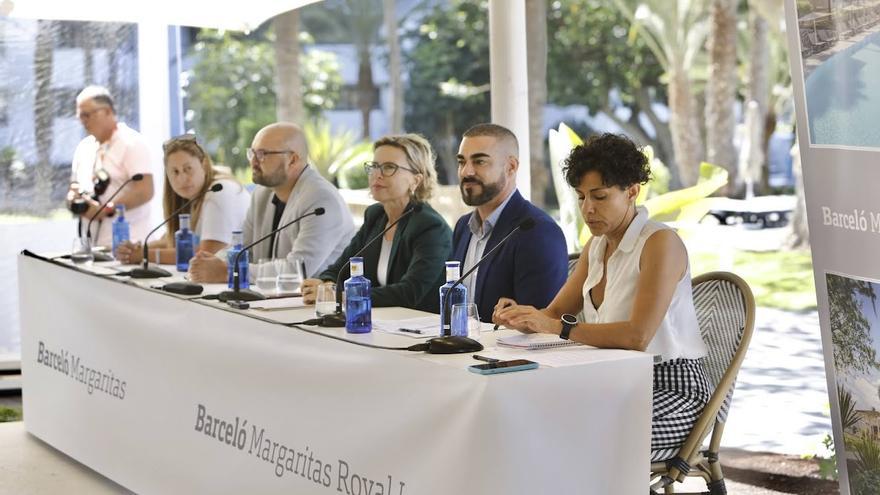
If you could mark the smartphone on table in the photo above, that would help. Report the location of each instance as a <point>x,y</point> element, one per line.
<point>503,366</point>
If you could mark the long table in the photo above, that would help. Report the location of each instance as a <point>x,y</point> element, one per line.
<point>163,394</point>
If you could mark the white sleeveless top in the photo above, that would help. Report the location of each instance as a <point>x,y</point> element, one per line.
<point>678,335</point>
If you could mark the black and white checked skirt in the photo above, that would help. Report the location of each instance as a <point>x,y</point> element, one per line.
<point>681,390</point>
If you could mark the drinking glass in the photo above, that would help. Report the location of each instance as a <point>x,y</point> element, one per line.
<point>465,320</point>
<point>81,253</point>
<point>290,275</point>
<point>325,300</point>
<point>267,272</point>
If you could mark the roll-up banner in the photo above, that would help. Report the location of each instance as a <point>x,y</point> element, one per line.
<point>834,48</point>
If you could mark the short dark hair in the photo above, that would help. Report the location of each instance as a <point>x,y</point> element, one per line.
<point>493,130</point>
<point>617,159</point>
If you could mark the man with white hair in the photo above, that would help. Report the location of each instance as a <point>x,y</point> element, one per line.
<point>110,155</point>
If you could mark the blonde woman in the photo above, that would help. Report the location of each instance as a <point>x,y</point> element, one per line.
<point>189,172</point>
<point>406,267</point>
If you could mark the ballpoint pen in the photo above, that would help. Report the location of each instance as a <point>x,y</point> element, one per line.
<point>486,359</point>
<point>410,330</point>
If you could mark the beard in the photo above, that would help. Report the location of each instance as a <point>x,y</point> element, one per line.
<point>487,192</point>
<point>269,180</point>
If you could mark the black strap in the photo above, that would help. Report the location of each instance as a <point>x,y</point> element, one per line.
<point>679,463</point>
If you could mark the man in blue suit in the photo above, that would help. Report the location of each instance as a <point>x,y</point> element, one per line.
<point>532,266</point>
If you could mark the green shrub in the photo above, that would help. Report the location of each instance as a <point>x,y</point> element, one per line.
<point>9,414</point>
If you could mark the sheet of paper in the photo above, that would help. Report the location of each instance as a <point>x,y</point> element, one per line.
<point>421,327</point>
<point>278,304</point>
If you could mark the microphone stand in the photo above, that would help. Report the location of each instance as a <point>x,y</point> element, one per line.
<point>147,271</point>
<point>337,319</point>
<point>100,256</point>
<point>465,343</point>
<point>248,295</point>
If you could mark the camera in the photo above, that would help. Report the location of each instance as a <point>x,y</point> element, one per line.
<point>80,202</point>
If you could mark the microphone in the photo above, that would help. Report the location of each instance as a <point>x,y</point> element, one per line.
<point>451,344</point>
<point>146,271</point>
<point>337,319</point>
<point>248,295</point>
<point>105,256</point>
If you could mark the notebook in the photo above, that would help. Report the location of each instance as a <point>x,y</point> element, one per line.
<point>532,341</point>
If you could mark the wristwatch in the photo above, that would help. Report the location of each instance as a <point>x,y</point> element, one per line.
<point>568,321</point>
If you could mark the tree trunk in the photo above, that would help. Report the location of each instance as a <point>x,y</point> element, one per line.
<point>759,87</point>
<point>800,231</point>
<point>365,90</point>
<point>664,149</point>
<point>449,149</point>
<point>721,89</point>
<point>536,42</point>
<point>44,112</point>
<point>685,129</point>
<point>288,90</point>
<point>395,84</point>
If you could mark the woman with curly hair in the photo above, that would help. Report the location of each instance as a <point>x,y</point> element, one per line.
<point>633,284</point>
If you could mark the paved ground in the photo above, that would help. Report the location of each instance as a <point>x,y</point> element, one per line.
<point>781,400</point>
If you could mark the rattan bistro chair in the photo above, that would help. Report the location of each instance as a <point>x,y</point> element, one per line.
<point>726,314</point>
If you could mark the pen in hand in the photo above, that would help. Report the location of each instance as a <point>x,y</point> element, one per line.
<point>507,304</point>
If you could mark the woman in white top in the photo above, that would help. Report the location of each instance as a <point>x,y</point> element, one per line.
<point>189,172</point>
<point>632,283</point>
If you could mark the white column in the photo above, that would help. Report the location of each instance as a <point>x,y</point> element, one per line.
<point>154,100</point>
<point>509,78</point>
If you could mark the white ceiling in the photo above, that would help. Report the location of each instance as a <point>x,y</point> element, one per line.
<point>221,14</point>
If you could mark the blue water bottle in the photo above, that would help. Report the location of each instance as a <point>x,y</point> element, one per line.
<point>237,240</point>
<point>358,306</point>
<point>459,295</point>
<point>183,243</point>
<point>121,229</point>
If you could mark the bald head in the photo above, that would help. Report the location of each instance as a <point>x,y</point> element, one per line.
<point>283,136</point>
<point>280,154</point>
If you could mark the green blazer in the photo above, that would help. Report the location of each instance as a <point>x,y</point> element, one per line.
<point>416,268</point>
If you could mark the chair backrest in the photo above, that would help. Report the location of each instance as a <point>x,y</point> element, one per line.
<point>726,315</point>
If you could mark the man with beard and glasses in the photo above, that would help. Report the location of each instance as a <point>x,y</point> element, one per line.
<point>533,264</point>
<point>287,188</point>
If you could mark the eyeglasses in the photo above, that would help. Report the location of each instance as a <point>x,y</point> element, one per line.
<point>260,155</point>
<point>183,138</point>
<point>88,115</point>
<point>388,169</point>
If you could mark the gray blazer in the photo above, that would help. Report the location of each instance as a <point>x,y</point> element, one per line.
<point>318,240</point>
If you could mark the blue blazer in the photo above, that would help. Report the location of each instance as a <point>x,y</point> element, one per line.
<point>530,268</point>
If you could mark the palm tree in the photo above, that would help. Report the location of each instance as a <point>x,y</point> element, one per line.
<point>361,19</point>
<point>675,30</point>
<point>44,112</point>
<point>536,37</point>
<point>288,83</point>
<point>849,418</point>
<point>721,89</point>
<point>395,85</point>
